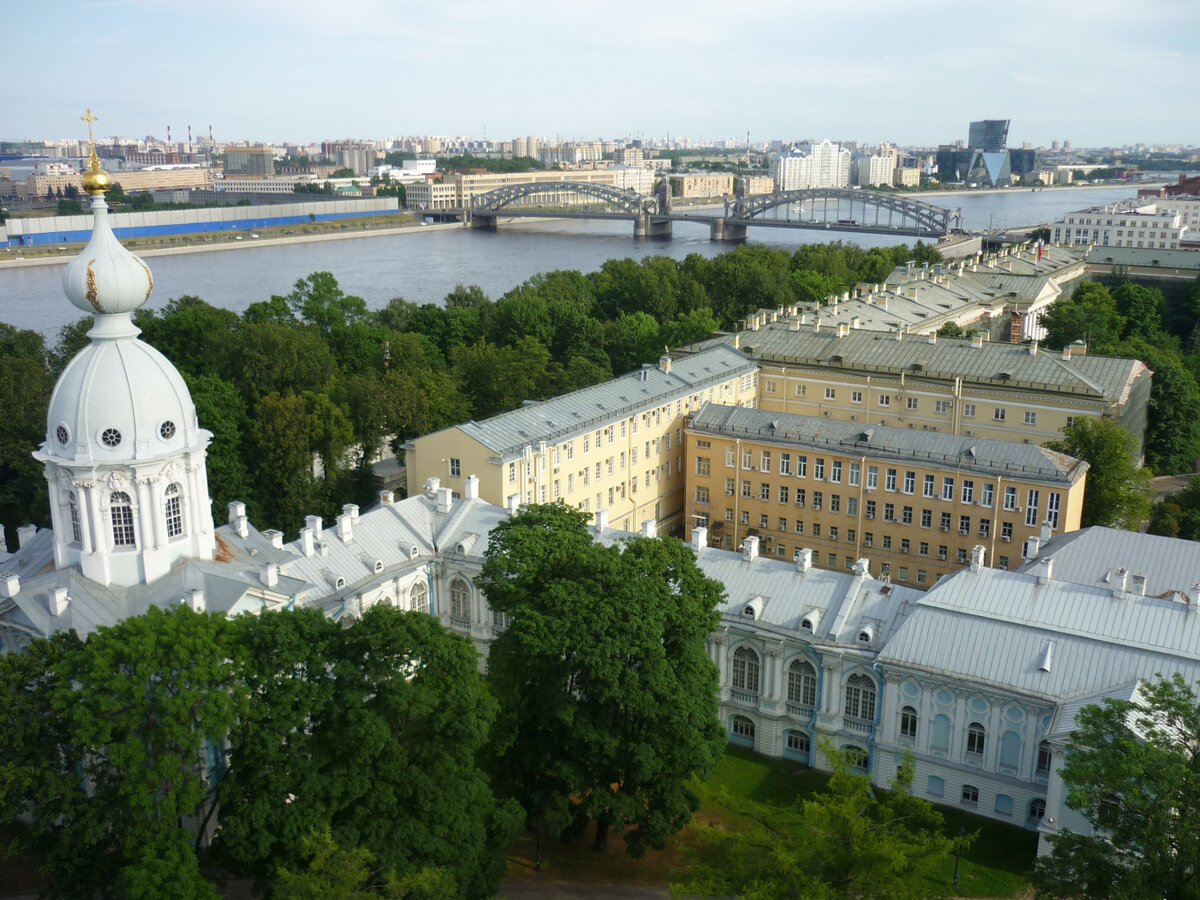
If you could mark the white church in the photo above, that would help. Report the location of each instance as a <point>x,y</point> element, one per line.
<point>980,677</point>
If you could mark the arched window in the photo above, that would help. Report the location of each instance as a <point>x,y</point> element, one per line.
<point>420,598</point>
<point>76,528</point>
<point>1044,758</point>
<point>908,723</point>
<point>970,795</point>
<point>976,739</point>
<point>460,601</point>
<point>122,519</point>
<point>797,744</point>
<point>1037,810</point>
<point>802,683</point>
<point>856,757</point>
<point>860,697</point>
<point>742,731</point>
<point>745,669</point>
<point>174,511</point>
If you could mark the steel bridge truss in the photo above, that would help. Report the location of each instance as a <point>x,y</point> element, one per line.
<point>911,214</point>
<point>628,202</point>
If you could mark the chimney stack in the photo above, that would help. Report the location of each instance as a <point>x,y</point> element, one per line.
<point>699,538</point>
<point>804,559</point>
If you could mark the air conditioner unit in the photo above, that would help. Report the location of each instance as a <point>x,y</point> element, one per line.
<point>870,515</point>
<point>944,527</point>
<point>983,532</point>
<point>964,531</point>
<point>889,518</point>
<point>868,542</point>
<point>1006,538</point>
<point>800,503</point>
<point>941,555</point>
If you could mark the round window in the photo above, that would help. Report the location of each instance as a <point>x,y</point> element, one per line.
<point>110,437</point>
<point>166,430</point>
<point>63,434</point>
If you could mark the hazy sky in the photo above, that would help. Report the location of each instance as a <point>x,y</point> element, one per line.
<point>1096,73</point>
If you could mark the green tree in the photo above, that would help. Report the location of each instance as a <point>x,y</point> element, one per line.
<point>1144,308</point>
<point>342,173</point>
<point>633,340</point>
<point>25,387</point>
<point>1133,771</point>
<point>852,840</point>
<point>1090,315</point>
<point>813,287</point>
<point>1179,514</point>
<point>193,334</point>
<point>1117,491</point>
<point>608,696</point>
<point>319,300</point>
<point>67,207</point>
<point>950,330</point>
<point>1173,411</point>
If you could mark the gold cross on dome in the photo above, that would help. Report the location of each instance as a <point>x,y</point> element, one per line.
<point>89,118</point>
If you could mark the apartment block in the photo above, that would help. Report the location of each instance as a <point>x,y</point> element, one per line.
<point>616,446</point>
<point>972,388</point>
<point>913,502</point>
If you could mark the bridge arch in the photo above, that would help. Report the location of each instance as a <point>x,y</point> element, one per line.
<point>936,220</point>
<point>626,201</point>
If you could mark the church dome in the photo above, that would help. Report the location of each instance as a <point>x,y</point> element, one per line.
<point>120,400</point>
<point>105,277</point>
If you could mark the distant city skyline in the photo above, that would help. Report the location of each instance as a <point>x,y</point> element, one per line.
<point>1113,74</point>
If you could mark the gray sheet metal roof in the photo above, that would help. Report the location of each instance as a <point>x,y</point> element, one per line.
<point>994,628</point>
<point>1093,555</point>
<point>844,601</point>
<point>561,418</point>
<point>882,442</point>
<point>1101,377</point>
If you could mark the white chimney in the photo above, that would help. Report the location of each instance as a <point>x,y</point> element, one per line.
<point>1120,582</point>
<point>1066,355</point>
<point>513,503</point>
<point>471,491</point>
<point>242,526</point>
<point>432,485</point>
<point>57,601</point>
<point>699,538</point>
<point>194,599</point>
<point>1046,531</point>
<point>1033,348</point>
<point>445,498</point>
<point>1045,570</point>
<point>664,364</point>
<point>804,559</point>
<point>977,553</point>
<point>1138,585</point>
<point>649,528</point>
<point>933,338</point>
<point>237,510</point>
<point>351,510</point>
<point>275,537</point>
<point>977,340</point>
<point>10,585</point>
<point>862,568</point>
<point>25,534</point>
<point>1031,548</point>
<point>314,522</point>
<point>269,575</point>
<point>345,528</point>
<point>386,498</point>
<point>308,540</point>
<point>750,548</point>
<point>601,520</point>
<point>843,329</point>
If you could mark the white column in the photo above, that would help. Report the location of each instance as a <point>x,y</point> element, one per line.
<point>103,538</point>
<point>158,517</point>
<point>145,514</point>
<point>85,521</point>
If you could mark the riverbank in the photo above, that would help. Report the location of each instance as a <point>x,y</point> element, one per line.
<point>206,243</point>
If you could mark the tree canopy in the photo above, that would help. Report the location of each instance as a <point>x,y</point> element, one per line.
<point>1117,491</point>
<point>607,694</point>
<point>1133,771</point>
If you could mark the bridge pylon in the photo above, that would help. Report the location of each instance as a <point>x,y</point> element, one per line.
<point>649,225</point>
<point>720,229</point>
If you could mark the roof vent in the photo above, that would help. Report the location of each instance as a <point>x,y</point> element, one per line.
<point>1047,657</point>
<point>337,582</point>
<point>1137,586</point>
<point>866,635</point>
<point>409,550</point>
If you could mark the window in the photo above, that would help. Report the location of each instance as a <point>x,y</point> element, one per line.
<point>889,483</point>
<point>745,488</point>
<point>703,466</point>
<point>833,532</point>
<point>728,515</point>
<point>802,683</point>
<point>762,521</point>
<point>512,473</point>
<point>730,487</point>
<point>945,521</point>
<point>970,795</point>
<point>799,526</point>
<point>968,491</point>
<point>829,394</point>
<point>818,499</point>
<point>852,506</point>
<point>976,739</point>
<point>835,471</point>
<point>819,468</point>
<point>962,556</point>
<point>856,396</point>
<point>745,517</point>
<point>926,518</point>
<point>785,464</point>
<point>929,490</point>
<point>801,466</point>
<point>801,390</point>
<point>906,515</point>
<point>905,546</point>
<point>948,489</point>
<point>460,602</point>
<point>870,509</point>
<point>1037,810</point>
<point>122,520</point>
<point>420,598</point>
<point>702,494</point>
<point>887,542</point>
<point>969,410</point>
<point>856,757</point>
<point>885,399</point>
<point>76,527</point>
<point>782,524</point>
<point>850,535</point>
<point>855,472</point>
<point>1053,499</point>
<point>816,529</point>
<point>910,482</point>
<point>783,493</point>
<point>998,414</point>
<point>1044,758</point>
<point>921,576</point>
<point>798,742</point>
<point>860,697</point>
<point>800,497</point>
<point>985,527</point>
<point>1010,498</point>
<point>923,548</point>
<point>745,669</point>
<point>1030,418</point>
<point>872,477</point>
<point>941,406</point>
<point>908,723</point>
<point>174,511</point>
<point>936,786</point>
<point>889,512</point>
<point>964,524</point>
<point>939,735</point>
<point>911,403</point>
<point>835,502</point>
<point>764,491</point>
<point>1031,509</point>
<point>730,454</point>
<point>743,730</point>
<point>986,493</point>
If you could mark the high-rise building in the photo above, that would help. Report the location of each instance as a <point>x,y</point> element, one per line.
<point>988,134</point>
<point>249,161</point>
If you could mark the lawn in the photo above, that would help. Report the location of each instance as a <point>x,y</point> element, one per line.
<point>995,866</point>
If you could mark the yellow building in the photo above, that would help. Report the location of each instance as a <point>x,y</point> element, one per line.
<point>969,387</point>
<point>616,446</point>
<point>713,185</point>
<point>914,502</point>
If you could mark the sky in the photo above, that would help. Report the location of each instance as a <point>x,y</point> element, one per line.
<point>1101,73</point>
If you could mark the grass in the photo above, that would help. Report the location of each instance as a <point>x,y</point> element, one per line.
<point>996,865</point>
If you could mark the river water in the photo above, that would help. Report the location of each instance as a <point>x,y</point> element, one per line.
<point>426,265</point>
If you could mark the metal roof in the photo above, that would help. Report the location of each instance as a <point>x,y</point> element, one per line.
<point>574,414</point>
<point>882,442</point>
<point>991,363</point>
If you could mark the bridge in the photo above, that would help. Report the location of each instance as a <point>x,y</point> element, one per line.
<point>832,209</point>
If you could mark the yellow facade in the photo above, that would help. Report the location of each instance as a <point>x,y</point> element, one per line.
<point>716,185</point>
<point>799,482</point>
<point>625,455</point>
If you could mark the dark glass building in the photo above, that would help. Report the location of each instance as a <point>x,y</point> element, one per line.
<point>988,134</point>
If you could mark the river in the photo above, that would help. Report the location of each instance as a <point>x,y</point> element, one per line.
<point>425,265</point>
